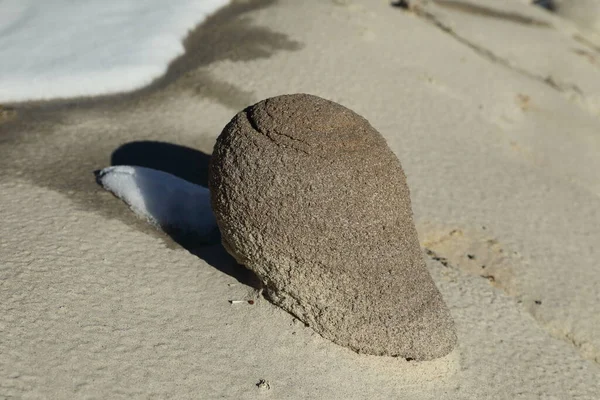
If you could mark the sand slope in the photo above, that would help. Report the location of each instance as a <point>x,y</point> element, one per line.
<point>501,164</point>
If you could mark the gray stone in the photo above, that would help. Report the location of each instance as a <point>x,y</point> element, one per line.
<point>308,195</point>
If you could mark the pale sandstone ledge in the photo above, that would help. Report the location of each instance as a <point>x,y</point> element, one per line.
<point>500,161</point>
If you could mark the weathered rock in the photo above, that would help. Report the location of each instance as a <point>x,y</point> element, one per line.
<point>309,196</point>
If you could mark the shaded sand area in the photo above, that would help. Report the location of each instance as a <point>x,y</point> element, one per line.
<point>493,110</point>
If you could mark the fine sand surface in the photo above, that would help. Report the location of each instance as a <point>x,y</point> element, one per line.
<point>493,108</point>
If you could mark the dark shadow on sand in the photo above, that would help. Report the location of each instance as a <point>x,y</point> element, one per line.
<point>191,165</point>
<point>183,162</point>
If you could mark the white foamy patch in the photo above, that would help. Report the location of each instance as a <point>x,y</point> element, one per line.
<point>164,200</point>
<point>66,48</point>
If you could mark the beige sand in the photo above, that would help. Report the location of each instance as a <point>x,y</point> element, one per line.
<point>499,135</point>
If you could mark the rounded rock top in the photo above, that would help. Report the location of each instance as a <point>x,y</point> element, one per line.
<point>308,195</point>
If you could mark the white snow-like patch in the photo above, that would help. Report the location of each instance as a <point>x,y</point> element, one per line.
<point>66,48</point>
<point>164,200</point>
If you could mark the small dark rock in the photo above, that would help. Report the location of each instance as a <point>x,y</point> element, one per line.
<point>404,4</point>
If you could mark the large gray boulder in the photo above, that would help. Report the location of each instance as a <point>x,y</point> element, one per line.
<point>308,196</point>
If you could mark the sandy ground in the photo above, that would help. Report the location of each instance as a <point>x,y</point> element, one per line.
<point>493,109</point>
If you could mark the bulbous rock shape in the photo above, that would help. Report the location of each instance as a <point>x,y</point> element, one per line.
<point>309,196</point>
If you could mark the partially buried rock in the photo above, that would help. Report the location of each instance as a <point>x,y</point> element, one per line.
<point>308,195</point>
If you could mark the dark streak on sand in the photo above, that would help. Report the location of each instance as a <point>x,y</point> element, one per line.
<point>487,12</point>
<point>586,42</point>
<point>227,35</point>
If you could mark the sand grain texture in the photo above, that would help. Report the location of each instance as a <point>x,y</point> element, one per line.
<point>96,304</point>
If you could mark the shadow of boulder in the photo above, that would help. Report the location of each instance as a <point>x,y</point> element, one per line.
<point>181,161</point>
<point>191,165</point>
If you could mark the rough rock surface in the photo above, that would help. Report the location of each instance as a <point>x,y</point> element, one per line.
<point>309,196</point>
